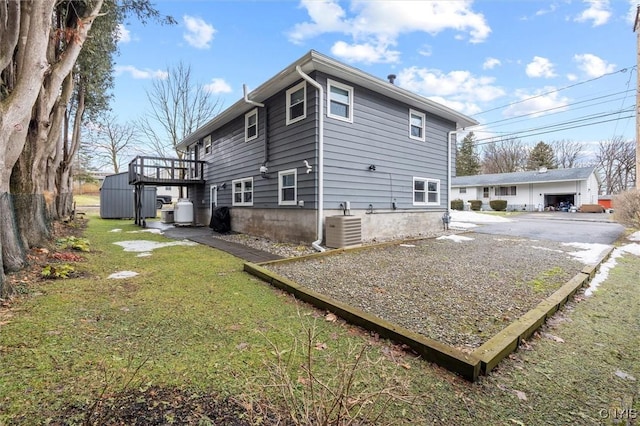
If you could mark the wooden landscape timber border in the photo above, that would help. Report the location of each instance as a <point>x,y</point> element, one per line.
<point>468,365</point>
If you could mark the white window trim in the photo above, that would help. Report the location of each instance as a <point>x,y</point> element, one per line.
<point>233,193</point>
<point>293,202</point>
<point>426,192</point>
<point>349,89</point>
<point>423,116</point>
<point>247,116</point>
<point>207,144</point>
<point>295,88</point>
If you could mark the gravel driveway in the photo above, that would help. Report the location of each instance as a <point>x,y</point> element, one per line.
<point>460,289</point>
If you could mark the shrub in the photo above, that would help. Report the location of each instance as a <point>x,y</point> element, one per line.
<point>476,205</point>
<point>498,205</point>
<point>58,271</point>
<point>73,243</point>
<point>626,208</point>
<point>457,204</point>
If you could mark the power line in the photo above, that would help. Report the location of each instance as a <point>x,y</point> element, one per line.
<point>555,128</point>
<point>625,92</point>
<point>622,70</point>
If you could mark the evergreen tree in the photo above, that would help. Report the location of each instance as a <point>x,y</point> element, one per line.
<point>542,155</point>
<point>467,159</point>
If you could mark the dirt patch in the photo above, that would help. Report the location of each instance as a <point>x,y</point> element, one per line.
<point>162,406</point>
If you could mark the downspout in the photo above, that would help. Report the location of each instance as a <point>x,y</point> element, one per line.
<point>316,244</point>
<point>449,169</point>
<point>266,123</point>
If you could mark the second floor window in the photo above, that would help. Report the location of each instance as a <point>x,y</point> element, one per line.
<point>251,125</point>
<point>416,125</point>
<point>296,103</point>
<point>340,101</point>
<point>207,144</point>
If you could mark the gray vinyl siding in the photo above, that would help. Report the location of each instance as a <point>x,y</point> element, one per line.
<point>232,158</point>
<point>379,135</point>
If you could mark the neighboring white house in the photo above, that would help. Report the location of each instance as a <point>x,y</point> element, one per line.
<point>531,190</point>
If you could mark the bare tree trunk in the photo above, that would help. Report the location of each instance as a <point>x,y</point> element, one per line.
<point>13,251</point>
<point>25,147</point>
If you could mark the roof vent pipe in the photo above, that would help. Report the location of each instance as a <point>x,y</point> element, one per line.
<point>392,78</point>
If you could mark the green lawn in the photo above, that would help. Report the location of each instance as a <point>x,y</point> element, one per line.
<point>192,319</point>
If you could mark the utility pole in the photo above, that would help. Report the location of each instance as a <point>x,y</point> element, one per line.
<point>636,29</point>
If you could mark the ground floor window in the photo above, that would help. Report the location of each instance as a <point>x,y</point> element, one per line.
<point>505,190</point>
<point>243,192</point>
<point>485,192</point>
<point>426,191</point>
<point>287,187</point>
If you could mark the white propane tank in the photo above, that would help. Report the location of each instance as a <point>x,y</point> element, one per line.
<point>183,213</point>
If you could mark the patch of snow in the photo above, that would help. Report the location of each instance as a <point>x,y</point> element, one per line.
<point>145,254</point>
<point>634,237</point>
<point>547,249</point>
<point>468,216</point>
<point>603,272</point>
<point>123,274</point>
<point>407,245</point>
<point>623,375</point>
<point>141,246</point>
<point>455,238</point>
<point>149,230</point>
<point>591,252</point>
<point>461,225</point>
<point>633,248</point>
<point>116,230</point>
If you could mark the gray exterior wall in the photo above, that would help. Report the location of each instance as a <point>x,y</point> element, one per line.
<point>379,135</point>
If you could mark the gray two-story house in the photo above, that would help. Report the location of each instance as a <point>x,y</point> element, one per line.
<point>323,139</point>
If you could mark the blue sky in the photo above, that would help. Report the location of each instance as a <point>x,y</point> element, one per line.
<point>523,68</point>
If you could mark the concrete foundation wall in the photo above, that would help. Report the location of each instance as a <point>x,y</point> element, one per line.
<point>299,225</point>
<point>394,225</point>
<point>289,225</point>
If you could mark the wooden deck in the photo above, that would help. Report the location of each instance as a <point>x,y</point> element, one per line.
<point>165,171</point>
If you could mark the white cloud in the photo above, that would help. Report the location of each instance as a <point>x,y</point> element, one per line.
<point>199,34</point>
<point>459,90</point>
<point>540,67</point>
<point>122,34</point>
<point>217,85</point>
<point>598,12</point>
<point>536,103</point>
<point>139,74</point>
<point>425,50</point>
<point>326,17</point>
<point>433,82</point>
<point>491,63</point>
<point>552,8</point>
<point>366,53</point>
<point>572,77</point>
<point>376,25</point>
<point>592,65</point>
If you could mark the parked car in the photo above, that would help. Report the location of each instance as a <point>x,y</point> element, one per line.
<point>161,200</point>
